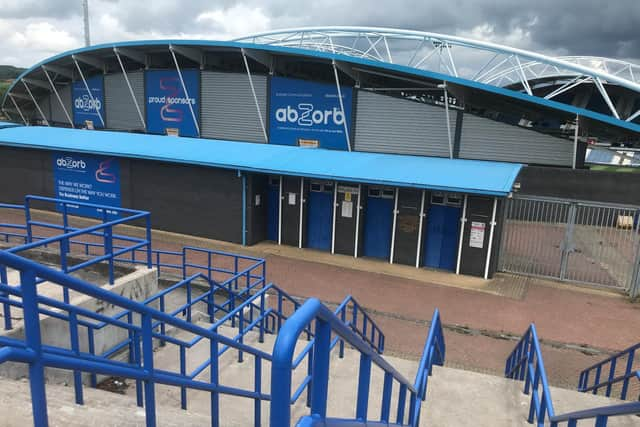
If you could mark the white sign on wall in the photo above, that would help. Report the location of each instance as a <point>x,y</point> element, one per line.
<point>476,237</point>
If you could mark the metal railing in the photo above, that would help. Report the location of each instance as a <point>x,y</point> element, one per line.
<point>525,363</point>
<point>325,322</point>
<point>613,383</point>
<point>38,356</point>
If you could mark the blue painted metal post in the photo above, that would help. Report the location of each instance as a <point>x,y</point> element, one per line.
<point>214,378</point>
<point>257,383</point>
<point>244,208</point>
<point>262,318</point>
<point>34,343</point>
<point>6,307</point>
<point>108,250</point>
<point>364,380</point>
<point>402,396</point>
<point>627,372</point>
<point>75,347</point>
<point>149,250</point>
<point>321,353</point>
<point>386,397</point>
<point>183,372</point>
<point>92,351</point>
<point>147,361</point>
<point>27,219</point>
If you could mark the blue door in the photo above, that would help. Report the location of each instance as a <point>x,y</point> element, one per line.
<point>273,209</point>
<point>320,216</point>
<point>441,244</point>
<point>377,225</point>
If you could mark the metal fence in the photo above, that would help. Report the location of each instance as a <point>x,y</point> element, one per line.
<point>582,242</point>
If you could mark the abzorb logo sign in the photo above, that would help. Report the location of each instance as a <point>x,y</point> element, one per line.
<point>302,110</point>
<point>167,104</point>
<point>85,106</point>
<point>81,178</point>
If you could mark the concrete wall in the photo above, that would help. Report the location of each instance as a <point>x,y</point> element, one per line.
<point>137,286</point>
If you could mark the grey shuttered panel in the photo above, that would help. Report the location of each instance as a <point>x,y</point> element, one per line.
<point>57,113</point>
<point>385,124</point>
<point>227,107</point>
<point>121,112</point>
<point>486,139</point>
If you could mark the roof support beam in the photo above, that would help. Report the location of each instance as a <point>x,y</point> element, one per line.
<point>93,101</point>
<point>184,88</point>
<point>348,70</point>
<point>15,104</point>
<point>446,113</point>
<point>131,54</point>
<point>344,116</point>
<point>259,56</point>
<point>633,116</point>
<point>26,86</point>
<point>90,60</point>
<point>605,95</point>
<point>133,96</point>
<point>255,99</point>
<point>59,70</point>
<point>188,52</point>
<point>55,91</point>
<point>37,83</point>
<point>21,96</point>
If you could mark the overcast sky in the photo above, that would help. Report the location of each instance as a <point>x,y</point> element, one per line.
<point>32,30</point>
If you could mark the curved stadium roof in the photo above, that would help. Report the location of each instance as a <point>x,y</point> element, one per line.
<point>467,66</point>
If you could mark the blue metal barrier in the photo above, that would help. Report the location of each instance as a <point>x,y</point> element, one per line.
<point>325,323</point>
<point>142,369</point>
<point>592,381</point>
<point>525,364</point>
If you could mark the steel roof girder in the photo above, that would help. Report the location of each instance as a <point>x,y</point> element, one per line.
<point>90,60</point>
<point>193,54</point>
<point>131,54</point>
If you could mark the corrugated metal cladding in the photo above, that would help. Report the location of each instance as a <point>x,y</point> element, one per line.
<point>486,139</point>
<point>227,108</point>
<point>385,124</point>
<point>121,112</point>
<point>57,113</point>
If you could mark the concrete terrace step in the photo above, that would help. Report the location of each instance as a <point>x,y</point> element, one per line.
<point>101,409</point>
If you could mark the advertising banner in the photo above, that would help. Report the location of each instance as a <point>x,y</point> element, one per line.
<point>85,108</point>
<point>308,114</point>
<point>88,179</point>
<point>168,109</point>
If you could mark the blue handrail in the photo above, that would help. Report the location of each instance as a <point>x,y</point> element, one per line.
<point>326,322</point>
<point>591,379</point>
<point>32,351</point>
<point>525,363</point>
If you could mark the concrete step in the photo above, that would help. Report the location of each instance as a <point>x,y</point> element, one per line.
<point>101,408</point>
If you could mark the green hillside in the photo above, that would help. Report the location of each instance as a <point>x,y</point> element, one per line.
<point>9,72</point>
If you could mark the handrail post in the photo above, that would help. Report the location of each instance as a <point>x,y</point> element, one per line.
<point>625,384</point>
<point>321,352</point>
<point>213,378</point>
<point>183,372</point>
<point>147,361</point>
<point>386,397</point>
<point>27,218</point>
<point>149,249</point>
<point>6,307</point>
<point>364,381</point>
<point>262,318</point>
<point>108,250</point>
<point>34,343</point>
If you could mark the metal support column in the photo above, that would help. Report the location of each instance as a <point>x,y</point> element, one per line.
<point>133,96</point>
<point>463,222</point>
<point>575,142</point>
<point>280,213</point>
<point>184,88</point>
<point>244,207</point>
<point>300,231</point>
<point>446,112</point>
<point>93,101</point>
<point>344,116</point>
<point>35,102</point>
<point>53,87</point>
<point>255,97</point>
<point>491,230</point>
<point>393,230</point>
<point>422,215</point>
<point>355,250</point>
<point>333,225</point>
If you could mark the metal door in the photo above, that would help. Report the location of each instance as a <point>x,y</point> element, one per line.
<point>442,234</point>
<point>273,208</point>
<point>320,215</point>
<point>378,222</point>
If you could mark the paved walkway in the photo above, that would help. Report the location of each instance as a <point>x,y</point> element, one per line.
<point>481,316</point>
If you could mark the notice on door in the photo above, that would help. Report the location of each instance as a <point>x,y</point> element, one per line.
<point>347,209</point>
<point>476,238</point>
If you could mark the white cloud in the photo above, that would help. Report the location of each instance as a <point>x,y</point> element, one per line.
<point>236,21</point>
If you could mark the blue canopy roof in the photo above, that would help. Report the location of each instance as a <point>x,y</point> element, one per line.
<point>8,124</point>
<point>468,176</point>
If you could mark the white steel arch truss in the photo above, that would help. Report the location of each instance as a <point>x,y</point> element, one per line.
<point>475,60</point>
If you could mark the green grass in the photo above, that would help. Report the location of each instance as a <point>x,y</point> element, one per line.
<point>621,169</point>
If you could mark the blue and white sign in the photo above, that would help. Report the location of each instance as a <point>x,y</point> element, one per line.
<point>168,105</point>
<point>308,114</point>
<point>88,179</point>
<point>85,106</point>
